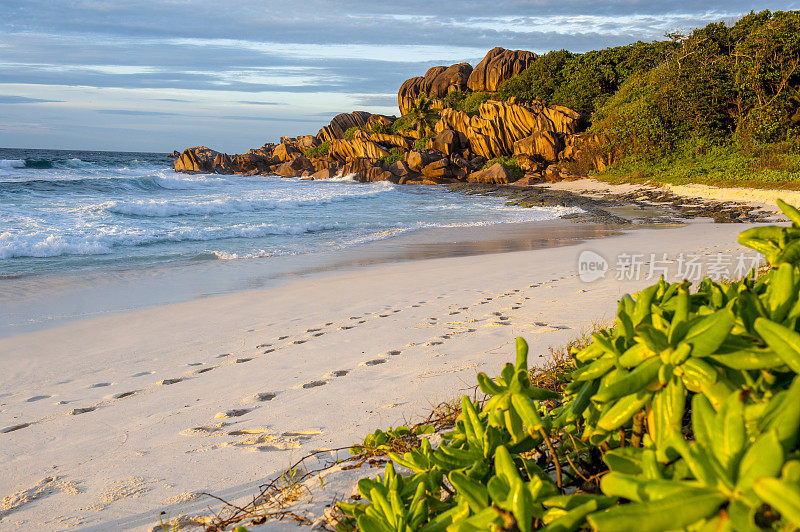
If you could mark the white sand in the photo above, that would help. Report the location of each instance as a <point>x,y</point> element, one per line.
<point>379,345</point>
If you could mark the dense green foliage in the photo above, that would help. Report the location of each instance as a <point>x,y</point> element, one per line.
<point>509,163</point>
<point>421,142</point>
<point>684,415</point>
<point>583,82</point>
<point>395,154</point>
<point>469,102</point>
<point>422,116</point>
<point>318,151</point>
<point>722,83</point>
<point>402,124</point>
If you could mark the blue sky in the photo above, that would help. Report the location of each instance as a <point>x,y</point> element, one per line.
<point>157,75</point>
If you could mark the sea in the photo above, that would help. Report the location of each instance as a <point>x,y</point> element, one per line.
<point>83,213</point>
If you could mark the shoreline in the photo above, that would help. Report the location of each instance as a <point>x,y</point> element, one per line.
<point>162,403</point>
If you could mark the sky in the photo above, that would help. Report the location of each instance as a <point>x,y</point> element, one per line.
<point>158,75</point>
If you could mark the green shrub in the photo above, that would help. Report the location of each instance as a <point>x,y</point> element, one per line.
<point>509,163</point>
<point>317,151</point>
<point>421,142</point>
<point>683,415</point>
<point>350,134</point>
<point>404,123</point>
<point>378,128</point>
<point>469,102</point>
<point>395,154</point>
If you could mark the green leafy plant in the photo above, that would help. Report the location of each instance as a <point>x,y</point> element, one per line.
<point>317,151</point>
<point>381,442</point>
<point>395,154</point>
<point>422,116</point>
<point>685,414</point>
<point>350,133</point>
<point>509,163</point>
<point>421,142</point>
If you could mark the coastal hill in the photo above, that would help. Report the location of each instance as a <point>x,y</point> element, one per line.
<point>720,105</point>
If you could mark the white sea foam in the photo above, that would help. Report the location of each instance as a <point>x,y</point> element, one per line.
<point>12,163</point>
<point>101,241</point>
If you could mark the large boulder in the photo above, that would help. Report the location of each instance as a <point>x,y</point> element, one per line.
<point>368,170</point>
<point>544,144</point>
<point>498,65</point>
<point>344,150</point>
<point>437,82</point>
<point>196,159</point>
<point>495,174</point>
<point>285,152</point>
<point>448,142</point>
<point>344,121</point>
<point>295,168</point>
<point>417,159</point>
<point>325,173</point>
<point>385,138</point>
<point>498,125</point>
<point>438,169</point>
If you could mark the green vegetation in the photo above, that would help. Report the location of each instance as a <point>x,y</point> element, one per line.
<point>683,415</point>
<point>400,439</point>
<point>317,151</point>
<point>350,134</point>
<point>421,142</point>
<point>720,105</point>
<point>395,154</point>
<point>509,163</point>
<point>422,115</point>
<point>400,125</point>
<point>469,102</point>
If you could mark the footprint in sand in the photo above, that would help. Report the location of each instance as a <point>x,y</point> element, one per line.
<point>142,373</point>
<point>205,370</point>
<point>283,337</point>
<point>516,307</point>
<point>339,373</point>
<point>329,324</point>
<point>345,327</point>
<point>76,411</point>
<point>383,315</point>
<point>415,306</point>
<point>317,335</point>
<point>355,317</point>
<point>167,382</point>
<point>361,321</point>
<point>262,346</point>
<point>267,351</point>
<point>265,396</point>
<point>396,311</point>
<point>100,385</point>
<point>243,360</point>
<point>124,394</point>
<point>298,342</point>
<point>312,330</point>
<point>12,428</point>
<point>314,384</point>
<point>223,355</point>
<point>434,342</point>
<point>37,398</point>
<point>194,364</point>
<point>237,412</point>
<point>394,352</point>
<point>455,312</point>
<point>374,362</point>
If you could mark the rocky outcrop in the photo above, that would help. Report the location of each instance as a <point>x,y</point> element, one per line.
<point>384,139</point>
<point>498,125</point>
<point>344,121</point>
<point>368,170</point>
<point>449,142</point>
<point>545,145</point>
<point>495,174</point>
<point>437,83</point>
<point>344,150</point>
<point>197,159</point>
<point>497,66</point>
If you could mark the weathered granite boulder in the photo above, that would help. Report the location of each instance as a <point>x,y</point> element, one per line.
<point>320,163</point>
<point>174,155</point>
<point>439,169</point>
<point>285,152</point>
<point>544,144</point>
<point>367,170</point>
<point>448,142</point>
<point>385,139</point>
<point>417,159</point>
<point>400,169</point>
<point>295,167</point>
<point>495,174</point>
<point>344,121</point>
<point>325,173</point>
<point>223,164</point>
<point>254,162</point>
<point>498,125</point>
<point>437,82</point>
<point>196,159</point>
<point>497,66</point>
<point>344,150</point>
<point>459,166</point>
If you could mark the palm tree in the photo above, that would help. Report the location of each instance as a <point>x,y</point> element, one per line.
<point>422,115</point>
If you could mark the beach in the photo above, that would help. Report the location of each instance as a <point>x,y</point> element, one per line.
<point>108,421</point>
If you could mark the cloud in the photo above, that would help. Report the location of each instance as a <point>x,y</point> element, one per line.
<point>9,98</point>
<point>250,102</point>
<point>134,112</point>
<point>376,100</point>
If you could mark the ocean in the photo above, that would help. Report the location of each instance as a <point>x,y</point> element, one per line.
<point>87,233</point>
<point>62,211</point>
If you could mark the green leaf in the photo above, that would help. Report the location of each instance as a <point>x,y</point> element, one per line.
<point>670,513</point>
<point>762,459</point>
<point>784,341</point>
<point>782,496</point>
<point>707,335</point>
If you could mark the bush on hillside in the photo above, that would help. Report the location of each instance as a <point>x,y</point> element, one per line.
<point>509,163</point>
<point>317,151</point>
